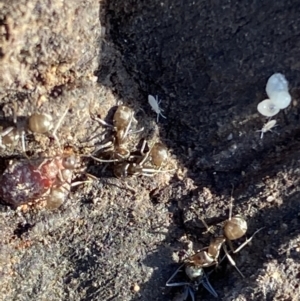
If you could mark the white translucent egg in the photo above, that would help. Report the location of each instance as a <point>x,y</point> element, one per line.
<point>267,108</point>
<point>276,83</point>
<point>281,99</point>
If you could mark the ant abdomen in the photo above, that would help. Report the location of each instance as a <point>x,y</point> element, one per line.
<point>235,228</point>
<point>158,154</point>
<point>69,162</point>
<point>57,196</point>
<point>122,117</point>
<point>40,123</point>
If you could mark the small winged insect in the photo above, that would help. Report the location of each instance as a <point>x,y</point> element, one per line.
<point>267,127</point>
<point>196,277</point>
<point>154,103</point>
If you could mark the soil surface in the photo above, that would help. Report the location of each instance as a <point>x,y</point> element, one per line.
<point>122,239</point>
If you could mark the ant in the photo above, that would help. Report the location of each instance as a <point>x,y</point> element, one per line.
<point>123,120</point>
<point>42,178</point>
<point>37,123</point>
<point>157,155</point>
<point>234,228</point>
<point>126,162</point>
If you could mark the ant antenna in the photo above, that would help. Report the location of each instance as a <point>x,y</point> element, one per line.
<point>15,110</point>
<point>128,127</point>
<point>231,205</point>
<point>58,125</point>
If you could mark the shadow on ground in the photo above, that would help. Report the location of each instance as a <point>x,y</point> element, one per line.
<point>209,62</point>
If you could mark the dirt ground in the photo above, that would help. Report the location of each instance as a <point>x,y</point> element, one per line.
<point>209,62</point>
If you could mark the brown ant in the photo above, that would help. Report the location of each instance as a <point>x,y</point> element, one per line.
<point>126,163</point>
<point>123,120</point>
<point>36,123</point>
<point>39,123</point>
<point>146,162</point>
<point>157,155</point>
<point>234,228</point>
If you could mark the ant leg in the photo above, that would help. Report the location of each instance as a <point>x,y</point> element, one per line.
<point>208,286</point>
<point>173,276</point>
<point>128,127</point>
<point>231,260</point>
<point>143,147</point>
<point>57,127</point>
<point>146,156</point>
<point>237,250</point>
<point>208,228</point>
<point>192,294</point>
<point>23,140</point>
<point>100,147</point>
<point>247,241</point>
<point>74,184</point>
<point>150,172</point>
<point>101,121</point>
<point>99,160</point>
<point>136,132</point>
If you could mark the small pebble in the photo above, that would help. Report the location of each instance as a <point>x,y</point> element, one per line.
<point>136,288</point>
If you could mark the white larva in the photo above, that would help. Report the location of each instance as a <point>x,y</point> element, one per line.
<point>267,127</point>
<point>277,89</point>
<point>154,103</point>
<point>279,96</point>
<point>277,82</point>
<point>267,108</point>
<point>282,99</point>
